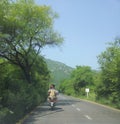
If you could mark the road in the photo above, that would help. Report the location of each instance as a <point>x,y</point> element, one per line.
<point>71,110</point>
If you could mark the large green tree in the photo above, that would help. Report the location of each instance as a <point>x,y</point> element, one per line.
<point>109,61</point>
<point>25,28</point>
<point>83,77</point>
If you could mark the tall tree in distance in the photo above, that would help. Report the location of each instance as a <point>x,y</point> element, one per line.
<point>25,28</point>
<point>82,77</point>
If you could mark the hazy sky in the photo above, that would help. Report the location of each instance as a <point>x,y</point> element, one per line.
<point>86,25</point>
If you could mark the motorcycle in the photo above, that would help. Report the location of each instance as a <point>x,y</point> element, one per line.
<point>52,102</point>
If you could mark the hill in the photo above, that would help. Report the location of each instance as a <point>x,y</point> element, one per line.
<point>59,71</point>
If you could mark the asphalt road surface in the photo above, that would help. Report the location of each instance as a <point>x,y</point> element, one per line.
<point>69,110</point>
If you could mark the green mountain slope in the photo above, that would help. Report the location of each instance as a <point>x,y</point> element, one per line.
<point>59,71</point>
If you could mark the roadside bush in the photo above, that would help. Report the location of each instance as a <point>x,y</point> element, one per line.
<point>17,97</point>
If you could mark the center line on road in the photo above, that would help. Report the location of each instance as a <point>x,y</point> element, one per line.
<point>88,117</point>
<point>78,109</point>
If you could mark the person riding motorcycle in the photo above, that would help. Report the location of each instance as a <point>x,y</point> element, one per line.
<point>52,93</point>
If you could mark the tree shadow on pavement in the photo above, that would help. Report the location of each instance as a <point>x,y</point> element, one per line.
<point>41,111</point>
<point>45,110</point>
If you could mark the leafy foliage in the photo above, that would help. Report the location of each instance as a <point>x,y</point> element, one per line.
<point>25,28</point>
<point>18,97</point>
<point>67,87</point>
<point>81,78</point>
<point>110,66</point>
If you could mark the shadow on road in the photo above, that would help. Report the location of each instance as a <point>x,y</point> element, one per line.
<point>45,110</point>
<point>64,102</point>
<point>41,111</point>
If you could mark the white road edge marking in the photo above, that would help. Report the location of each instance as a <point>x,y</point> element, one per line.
<point>88,117</point>
<point>78,109</point>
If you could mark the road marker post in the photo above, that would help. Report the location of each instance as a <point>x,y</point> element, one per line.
<point>87,91</point>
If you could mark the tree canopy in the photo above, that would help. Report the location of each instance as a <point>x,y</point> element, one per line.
<point>109,61</point>
<point>81,77</point>
<point>25,28</point>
